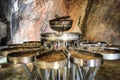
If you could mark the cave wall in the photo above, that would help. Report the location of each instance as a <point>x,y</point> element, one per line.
<point>103,22</point>
<point>31,17</point>
<point>5,18</point>
<point>96,20</point>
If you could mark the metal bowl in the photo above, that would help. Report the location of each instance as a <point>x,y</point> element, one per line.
<point>114,47</point>
<point>67,36</point>
<point>110,54</point>
<point>21,57</point>
<point>95,43</point>
<point>6,51</point>
<point>26,44</point>
<point>84,58</point>
<point>51,60</point>
<point>24,56</point>
<point>60,25</point>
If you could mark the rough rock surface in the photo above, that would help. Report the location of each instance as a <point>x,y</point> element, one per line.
<point>97,20</point>
<point>34,16</point>
<point>103,22</point>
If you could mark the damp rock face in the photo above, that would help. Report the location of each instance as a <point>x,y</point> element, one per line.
<point>4,21</point>
<point>31,17</point>
<point>103,22</point>
<point>97,20</point>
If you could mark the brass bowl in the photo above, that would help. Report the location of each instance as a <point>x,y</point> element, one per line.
<point>84,58</point>
<point>60,25</point>
<point>53,59</point>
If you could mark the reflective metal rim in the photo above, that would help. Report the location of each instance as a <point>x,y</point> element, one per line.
<point>65,36</point>
<point>51,65</point>
<point>98,61</point>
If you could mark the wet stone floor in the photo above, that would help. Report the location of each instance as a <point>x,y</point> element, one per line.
<point>110,70</point>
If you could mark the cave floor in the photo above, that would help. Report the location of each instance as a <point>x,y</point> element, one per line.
<point>110,70</point>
